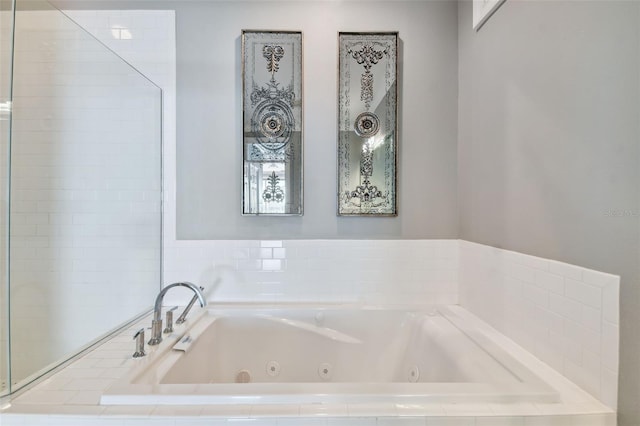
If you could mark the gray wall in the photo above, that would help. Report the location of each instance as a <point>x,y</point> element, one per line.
<point>209,136</point>
<point>209,154</point>
<point>209,150</point>
<point>548,145</point>
<point>209,112</point>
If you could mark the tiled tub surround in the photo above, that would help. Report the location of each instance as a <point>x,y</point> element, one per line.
<point>372,272</point>
<point>565,315</point>
<point>71,398</point>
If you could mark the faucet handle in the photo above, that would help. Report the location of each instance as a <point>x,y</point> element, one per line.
<point>169,327</point>
<point>139,338</point>
<point>183,316</point>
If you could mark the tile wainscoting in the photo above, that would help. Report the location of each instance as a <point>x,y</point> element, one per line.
<point>564,314</point>
<point>546,312</point>
<point>369,271</point>
<point>567,316</point>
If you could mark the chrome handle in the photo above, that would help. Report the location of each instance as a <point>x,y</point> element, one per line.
<point>169,320</point>
<point>156,332</point>
<point>139,338</point>
<point>183,316</point>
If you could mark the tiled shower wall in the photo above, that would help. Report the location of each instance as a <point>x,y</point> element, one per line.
<point>566,315</point>
<point>85,211</point>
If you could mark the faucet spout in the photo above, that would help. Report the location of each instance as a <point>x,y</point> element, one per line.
<point>156,323</point>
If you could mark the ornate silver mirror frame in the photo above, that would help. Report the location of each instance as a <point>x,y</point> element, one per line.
<point>367,124</point>
<point>272,123</point>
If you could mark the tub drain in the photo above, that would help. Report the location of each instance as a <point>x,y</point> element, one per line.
<point>243,376</point>
<point>325,371</point>
<point>273,368</point>
<point>414,374</point>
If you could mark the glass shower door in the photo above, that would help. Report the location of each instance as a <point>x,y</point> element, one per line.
<point>85,233</point>
<point>6,44</point>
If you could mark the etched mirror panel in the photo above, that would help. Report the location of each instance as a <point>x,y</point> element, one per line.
<point>272,122</point>
<point>367,138</point>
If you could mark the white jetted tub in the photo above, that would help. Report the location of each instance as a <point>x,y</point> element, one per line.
<point>324,354</point>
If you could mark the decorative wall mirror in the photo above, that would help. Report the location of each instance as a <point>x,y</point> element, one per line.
<point>272,122</point>
<point>367,128</point>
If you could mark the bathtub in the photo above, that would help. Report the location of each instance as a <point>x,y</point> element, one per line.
<point>326,354</point>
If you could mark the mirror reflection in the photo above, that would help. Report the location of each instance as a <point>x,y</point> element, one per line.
<point>272,122</point>
<point>367,119</point>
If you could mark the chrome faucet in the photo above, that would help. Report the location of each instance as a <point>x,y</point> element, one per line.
<point>156,323</point>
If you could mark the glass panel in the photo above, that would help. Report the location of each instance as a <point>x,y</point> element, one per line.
<point>272,117</point>
<point>6,42</point>
<point>85,236</point>
<point>367,122</point>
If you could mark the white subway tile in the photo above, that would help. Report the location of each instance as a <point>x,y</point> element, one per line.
<point>337,410</point>
<point>401,421</point>
<point>56,397</point>
<point>536,295</point>
<point>522,273</point>
<point>500,421</point>
<point>239,253</point>
<point>592,318</point>
<point>548,421</point>
<point>271,244</point>
<point>508,256</point>
<point>592,363</point>
<point>588,380</point>
<point>272,265</point>
<point>81,373</point>
<point>609,388</point>
<point>600,419</point>
<point>86,398</point>
<point>600,279</point>
<point>566,307</point>
<point>586,339</point>
<point>261,253</point>
<point>451,421</point>
<point>549,281</point>
<point>512,286</point>
<point>128,410</point>
<point>571,351</point>
<point>468,409</point>
<point>550,352</point>
<point>611,303</point>
<point>532,261</point>
<point>610,346</point>
<point>293,421</point>
<point>566,270</point>
<point>584,293</point>
<point>279,253</point>
<point>11,419</point>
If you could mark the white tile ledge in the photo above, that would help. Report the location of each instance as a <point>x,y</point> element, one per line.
<point>608,419</point>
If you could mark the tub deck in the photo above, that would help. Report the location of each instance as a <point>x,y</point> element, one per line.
<point>71,396</point>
